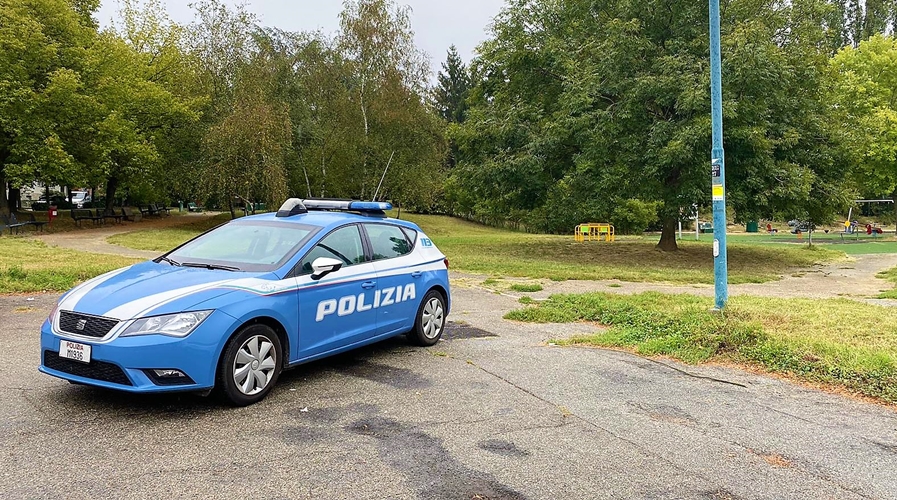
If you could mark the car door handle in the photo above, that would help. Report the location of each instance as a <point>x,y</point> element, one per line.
<point>416,274</point>
<point>368,284</point>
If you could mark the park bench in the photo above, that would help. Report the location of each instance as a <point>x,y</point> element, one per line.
<point>160,210</point>
<point>147,211</point>
<point>80,214</point>
<point>29,220</point>
<point>128,213</point>
<point>110,214</point>
<point>193,207</point>
<point>10,222</point>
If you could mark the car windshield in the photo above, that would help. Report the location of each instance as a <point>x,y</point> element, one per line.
<point>243,246</point>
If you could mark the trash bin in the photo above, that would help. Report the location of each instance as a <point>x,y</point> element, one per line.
<point>180,206</point>
<point>52,213</point>
<point>752,226</point>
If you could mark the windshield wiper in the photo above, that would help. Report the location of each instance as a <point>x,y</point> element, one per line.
<point>172,262</point>
<point>210,266</point>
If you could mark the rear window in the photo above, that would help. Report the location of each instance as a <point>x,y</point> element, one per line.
<point>387,241</point>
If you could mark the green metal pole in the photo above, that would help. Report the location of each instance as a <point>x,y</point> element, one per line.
<point>718,165</point>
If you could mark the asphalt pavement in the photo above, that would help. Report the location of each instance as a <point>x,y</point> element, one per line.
<point>491,412</point>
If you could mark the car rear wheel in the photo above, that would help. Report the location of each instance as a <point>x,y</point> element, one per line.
<point>430,320</point>
<point>250,366</point>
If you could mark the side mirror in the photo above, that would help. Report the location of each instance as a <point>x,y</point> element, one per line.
<point>322,266</point>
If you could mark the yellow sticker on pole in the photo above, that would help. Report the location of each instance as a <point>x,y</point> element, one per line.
<point>719,193</point>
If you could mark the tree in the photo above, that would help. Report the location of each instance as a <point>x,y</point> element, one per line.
<point>248,161</point>
<point>42,44</point>
<point>866,96</point>
<point>453,88</point>
<point>865,18</point>
<point>81,107</point>
<point>377,43</point>
<point>581,106</point>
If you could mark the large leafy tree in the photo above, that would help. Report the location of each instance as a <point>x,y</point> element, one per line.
<point>866,96</point>
<point>583,106</point>
<point>43,44</point>
<point>80,107</point>
<point>386,69</point>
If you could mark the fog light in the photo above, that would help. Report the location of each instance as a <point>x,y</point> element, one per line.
<point>169,373</point>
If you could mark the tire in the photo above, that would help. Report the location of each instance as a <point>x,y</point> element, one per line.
<point>249,367</point>
<point>429,322</point>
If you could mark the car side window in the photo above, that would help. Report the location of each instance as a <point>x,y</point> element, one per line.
<point>387,241</point>
<point>411,234</point>
<point>343,244</point>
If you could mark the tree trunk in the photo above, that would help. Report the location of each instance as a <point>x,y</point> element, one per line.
<point>15,199</point>
<point>230,206</point>
<point>111,188</point>
<point>4,207</point>
<point>667,241</point>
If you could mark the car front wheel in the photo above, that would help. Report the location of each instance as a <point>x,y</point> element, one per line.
<point>250,365</point>
<point>430,320</point>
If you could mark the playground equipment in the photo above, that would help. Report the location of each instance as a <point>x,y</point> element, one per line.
<point>852,227</point>
<point>855,229</point>
<point>594,231</point>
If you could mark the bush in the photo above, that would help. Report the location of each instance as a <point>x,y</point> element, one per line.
<point>634,216</point>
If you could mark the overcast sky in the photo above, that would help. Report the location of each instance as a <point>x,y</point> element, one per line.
<point>437,23</point>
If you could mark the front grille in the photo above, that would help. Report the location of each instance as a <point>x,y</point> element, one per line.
<point>91,326</point>
<point>97,370</point>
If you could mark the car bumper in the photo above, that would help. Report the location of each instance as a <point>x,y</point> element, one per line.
<point>126,363</point>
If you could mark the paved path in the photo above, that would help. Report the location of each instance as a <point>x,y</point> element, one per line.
<point>94,239</point>
<point>491,412</point>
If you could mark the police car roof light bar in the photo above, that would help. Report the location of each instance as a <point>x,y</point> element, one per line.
<point>291,207</point>
<point>296,206</point>
<point>363,207</point>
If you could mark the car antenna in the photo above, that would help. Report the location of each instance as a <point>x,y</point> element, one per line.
<point>383,176</point>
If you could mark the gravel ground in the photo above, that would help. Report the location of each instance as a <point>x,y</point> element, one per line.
<point>853,279</point>
<point>493,411</point>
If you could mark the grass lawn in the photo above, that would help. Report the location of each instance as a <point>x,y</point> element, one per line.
<point>28,266</point>
<point>850,245</point>
<point>161,240</point>
<point>832,341</point>
<point>481,249</point>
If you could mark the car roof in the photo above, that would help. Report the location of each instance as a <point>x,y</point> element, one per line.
<point>328,219</point>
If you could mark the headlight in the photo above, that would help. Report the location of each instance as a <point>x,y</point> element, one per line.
<point>52,317</point>
<point>174,325</point>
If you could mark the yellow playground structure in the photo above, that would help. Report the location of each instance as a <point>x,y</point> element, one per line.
<point>594,231</point>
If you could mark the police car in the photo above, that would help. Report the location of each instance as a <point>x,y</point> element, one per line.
<point>232,308</point>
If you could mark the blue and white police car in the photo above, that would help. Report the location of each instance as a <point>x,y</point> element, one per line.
<point>232,308</point>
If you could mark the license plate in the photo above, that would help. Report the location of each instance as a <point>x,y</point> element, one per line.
<point>73,350</point>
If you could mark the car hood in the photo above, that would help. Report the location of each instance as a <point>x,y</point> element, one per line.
<point>152,288</point>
